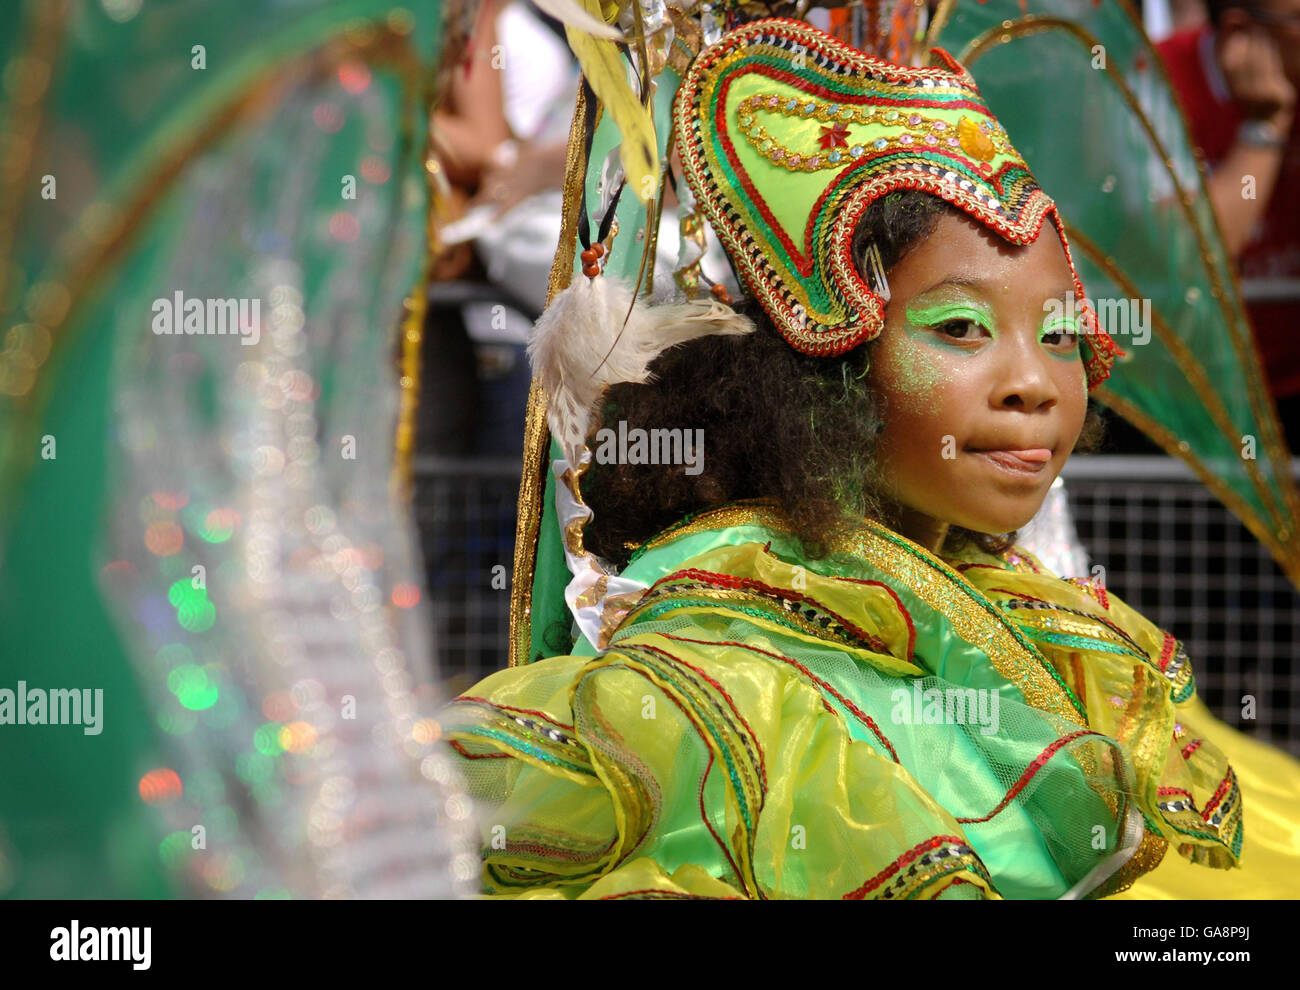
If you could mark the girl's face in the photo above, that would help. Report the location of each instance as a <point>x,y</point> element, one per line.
<point>983,381</point>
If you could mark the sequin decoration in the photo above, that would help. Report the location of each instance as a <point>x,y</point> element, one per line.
<point>263,569</point>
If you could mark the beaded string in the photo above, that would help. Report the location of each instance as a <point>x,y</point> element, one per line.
<point>592,253</point>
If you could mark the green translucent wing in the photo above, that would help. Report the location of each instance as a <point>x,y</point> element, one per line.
<point>1085,98</point>
<point>150,484</point>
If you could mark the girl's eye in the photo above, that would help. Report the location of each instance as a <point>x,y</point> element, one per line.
<point>960,329</point>
<point>1066,340</point>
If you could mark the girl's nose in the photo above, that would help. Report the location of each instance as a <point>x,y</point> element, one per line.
<point>1024,381</point>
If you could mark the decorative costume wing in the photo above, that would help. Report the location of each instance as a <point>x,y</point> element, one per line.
<point>223,495</point>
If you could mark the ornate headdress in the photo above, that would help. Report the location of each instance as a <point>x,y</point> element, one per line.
<point>787,135</point>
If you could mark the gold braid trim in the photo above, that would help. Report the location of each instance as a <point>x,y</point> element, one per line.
<point>1150,853</point>
<point>537,435</point>
<point>415,307</point>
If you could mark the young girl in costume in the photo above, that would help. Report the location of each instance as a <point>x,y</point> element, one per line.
<point>812,662</point>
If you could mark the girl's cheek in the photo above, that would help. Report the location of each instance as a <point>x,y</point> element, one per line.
<point>904,454</point>
<point>891,453</point>
<point>919,375</point>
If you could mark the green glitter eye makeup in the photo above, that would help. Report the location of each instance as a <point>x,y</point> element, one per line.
<point>928,320</point>
<point>1071,327</point>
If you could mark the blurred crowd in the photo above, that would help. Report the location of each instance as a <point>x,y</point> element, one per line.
<point>1236,67</point>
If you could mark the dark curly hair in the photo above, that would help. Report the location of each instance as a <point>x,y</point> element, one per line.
<point>775,423</point>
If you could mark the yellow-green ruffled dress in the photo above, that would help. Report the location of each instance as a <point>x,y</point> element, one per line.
<point>876,724</point>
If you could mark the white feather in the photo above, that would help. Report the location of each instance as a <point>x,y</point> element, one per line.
<point>570,13</point>
<point>569,343</point>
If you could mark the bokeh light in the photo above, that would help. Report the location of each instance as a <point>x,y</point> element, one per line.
<point>219,525</point>
<point>354,77</point>
<point>298,737</point>
<point>222,872</point>
<point>159,786</point>
<point>254,767</point>
<point>171,501</point>
<point>193,687</point>
<point>344,227</point>
<point>177,723</point>
<point>375,170</point>
<point>406,595</point>
<point>118,570</point>
<point>164,538</point>
<point>267,793</point>
<point>266,739</point>
<point>175,849</point>
<point>121,10</point>
<point>328,117</point>
<point>426,730</point>
<point>278,706</point>
<point>193,610</point>
<point>173,654</point>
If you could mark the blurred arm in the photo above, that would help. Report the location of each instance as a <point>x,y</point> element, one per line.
<point>472,121</point>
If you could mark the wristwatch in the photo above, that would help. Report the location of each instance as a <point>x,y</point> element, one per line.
<point>1261,134</point>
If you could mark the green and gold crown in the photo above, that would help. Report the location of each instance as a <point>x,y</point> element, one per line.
<point>786,135</point>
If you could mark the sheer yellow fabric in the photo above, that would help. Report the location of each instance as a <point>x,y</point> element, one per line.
<point>1270,861</point>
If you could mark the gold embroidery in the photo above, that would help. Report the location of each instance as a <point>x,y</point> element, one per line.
<point>838,145</point>
<point>973,617</point>
<point>613,613</point>
<point>1149,853</point>
<point>594,594</point>
<point>778,615</point>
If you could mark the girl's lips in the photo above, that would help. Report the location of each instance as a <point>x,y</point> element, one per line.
<point>1029,461</point>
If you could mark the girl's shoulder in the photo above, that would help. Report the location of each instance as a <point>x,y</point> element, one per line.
<point>1026,589</point>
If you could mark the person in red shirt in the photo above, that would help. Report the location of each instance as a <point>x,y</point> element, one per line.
<point>1237,77</point>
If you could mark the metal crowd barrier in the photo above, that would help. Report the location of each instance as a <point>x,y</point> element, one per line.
<point>1173,552</point>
